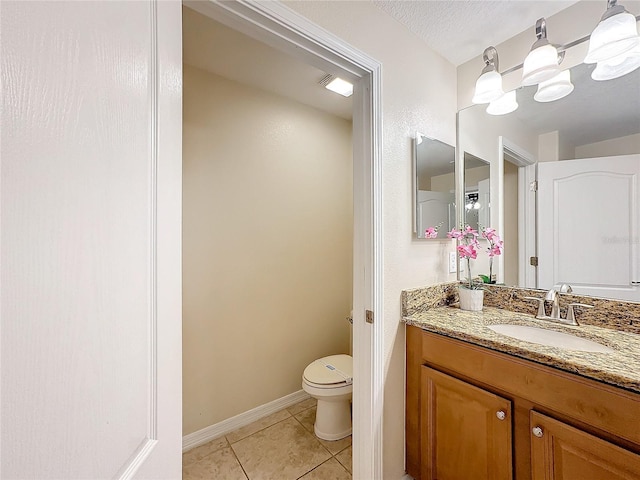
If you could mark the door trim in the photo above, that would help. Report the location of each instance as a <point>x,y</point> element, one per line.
<point>527,248</point>
<point>282,28</point>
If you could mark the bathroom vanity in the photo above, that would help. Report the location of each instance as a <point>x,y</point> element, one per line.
<point>481,405</point>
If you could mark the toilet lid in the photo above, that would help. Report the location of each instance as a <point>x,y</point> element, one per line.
<point>330,370</point>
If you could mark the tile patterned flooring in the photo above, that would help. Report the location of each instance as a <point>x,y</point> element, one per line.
<point>281,446</point>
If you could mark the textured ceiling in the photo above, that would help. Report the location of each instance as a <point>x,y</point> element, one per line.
<point>460,30</point>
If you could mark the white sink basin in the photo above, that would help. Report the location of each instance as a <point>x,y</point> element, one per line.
<point>550,338</point>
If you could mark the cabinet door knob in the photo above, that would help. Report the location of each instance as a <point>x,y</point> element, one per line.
<point>537,431</point>
<point>501,415</point>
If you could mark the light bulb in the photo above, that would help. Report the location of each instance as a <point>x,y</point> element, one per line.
<point>614,35</point>
<point>503,105</point>
<point>488,87</point>
<point>541,64</point>
<point>617,66</point>
<point>555,88</point>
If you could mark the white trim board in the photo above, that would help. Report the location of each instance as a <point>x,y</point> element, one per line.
<point>216,430</point>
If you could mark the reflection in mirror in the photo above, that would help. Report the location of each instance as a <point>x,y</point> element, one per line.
<point>584,153</point>
<point>476,192</point>
<point>435,188</point>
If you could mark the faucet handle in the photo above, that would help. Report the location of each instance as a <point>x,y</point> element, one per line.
<point>541,312</point>
<point>571,315</point>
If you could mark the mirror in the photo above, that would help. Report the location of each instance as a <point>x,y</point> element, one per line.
<point>434,189</point>
<point>582,224</point>
<point>476,192</point>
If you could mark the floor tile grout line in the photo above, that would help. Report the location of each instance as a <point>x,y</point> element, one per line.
<point>257,431</point>
<point>230,445</point>
<point>327,460</point>
<point>208,454</point>
<point>239,462</point>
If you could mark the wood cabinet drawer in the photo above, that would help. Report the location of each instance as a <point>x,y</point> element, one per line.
<point>604,407</point>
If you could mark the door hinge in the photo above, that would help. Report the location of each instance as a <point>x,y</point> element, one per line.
<point>533,186</point>
<point>533,261</point>
<point>368,316</point>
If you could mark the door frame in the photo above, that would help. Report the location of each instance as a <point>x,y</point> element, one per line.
<point>284,29</point>
<point>527,216</point>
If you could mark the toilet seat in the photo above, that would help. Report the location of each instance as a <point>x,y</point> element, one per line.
<point>334,371</point>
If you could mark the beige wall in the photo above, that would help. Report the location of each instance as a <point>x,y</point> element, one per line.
<point>419,94</point>
<point>267,245</point>
<point>510,234</point>
<point>616,146</point>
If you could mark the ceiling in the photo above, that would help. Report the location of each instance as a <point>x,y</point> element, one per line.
<point>460,30</point>
<point>256,64</point>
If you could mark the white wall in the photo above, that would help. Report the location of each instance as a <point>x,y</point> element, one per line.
<point>418,95</point>
<point>616,146</point>
<point>267,235</point>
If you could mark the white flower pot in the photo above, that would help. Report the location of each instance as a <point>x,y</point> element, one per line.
<point>471,300</point>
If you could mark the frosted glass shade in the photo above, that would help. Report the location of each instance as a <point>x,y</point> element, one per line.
<point>617,66</point>
<point>612,37</point>
<point>503,105</point>
<point>554,88</point>
<point>541,64</point>
<point>488,87</point>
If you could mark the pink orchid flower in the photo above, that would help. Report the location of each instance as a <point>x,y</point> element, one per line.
<point>455,233</point>
<point>431,232</point>
<point>470,231</point>
<point>489,233</point>
<point>467,251</point>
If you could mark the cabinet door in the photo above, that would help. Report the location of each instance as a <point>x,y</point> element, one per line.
<point>465,431</point>
<point>561,452</point>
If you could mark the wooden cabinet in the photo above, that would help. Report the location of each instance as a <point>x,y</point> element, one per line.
<point>561,452</point>
<point>466,431</point>
<point>590,430</point>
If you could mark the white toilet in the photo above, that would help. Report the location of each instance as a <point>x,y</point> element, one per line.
<point>330,381</point>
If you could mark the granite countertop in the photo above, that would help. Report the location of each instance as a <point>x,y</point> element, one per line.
<point>620,368</point>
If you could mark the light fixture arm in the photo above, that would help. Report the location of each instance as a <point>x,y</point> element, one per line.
<point>490,57</point>
<point>541,34</point>
<point>541,28</point>
<point>612,9</point>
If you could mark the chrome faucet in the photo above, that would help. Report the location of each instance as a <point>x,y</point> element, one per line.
<point>553,297</point>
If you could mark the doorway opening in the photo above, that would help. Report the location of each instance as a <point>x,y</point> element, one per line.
<point>279,27</point>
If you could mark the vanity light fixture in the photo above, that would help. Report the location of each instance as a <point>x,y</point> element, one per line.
<point>489,84</point>
<point>555,88</point>
<point>505,104</point>
<point>542,62</point>
<point>337,85</point>
<point>472,202</point>
<point>615,35</point>
<point>617,66</point>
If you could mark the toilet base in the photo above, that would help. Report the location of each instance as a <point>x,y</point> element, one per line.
<point>333,418</point>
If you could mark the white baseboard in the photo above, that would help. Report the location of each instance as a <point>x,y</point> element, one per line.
<point>406,476</point>
<point>216,430</point>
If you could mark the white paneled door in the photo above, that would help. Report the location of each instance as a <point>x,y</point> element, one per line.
<point>588,225</point>
<point>90,189</point>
